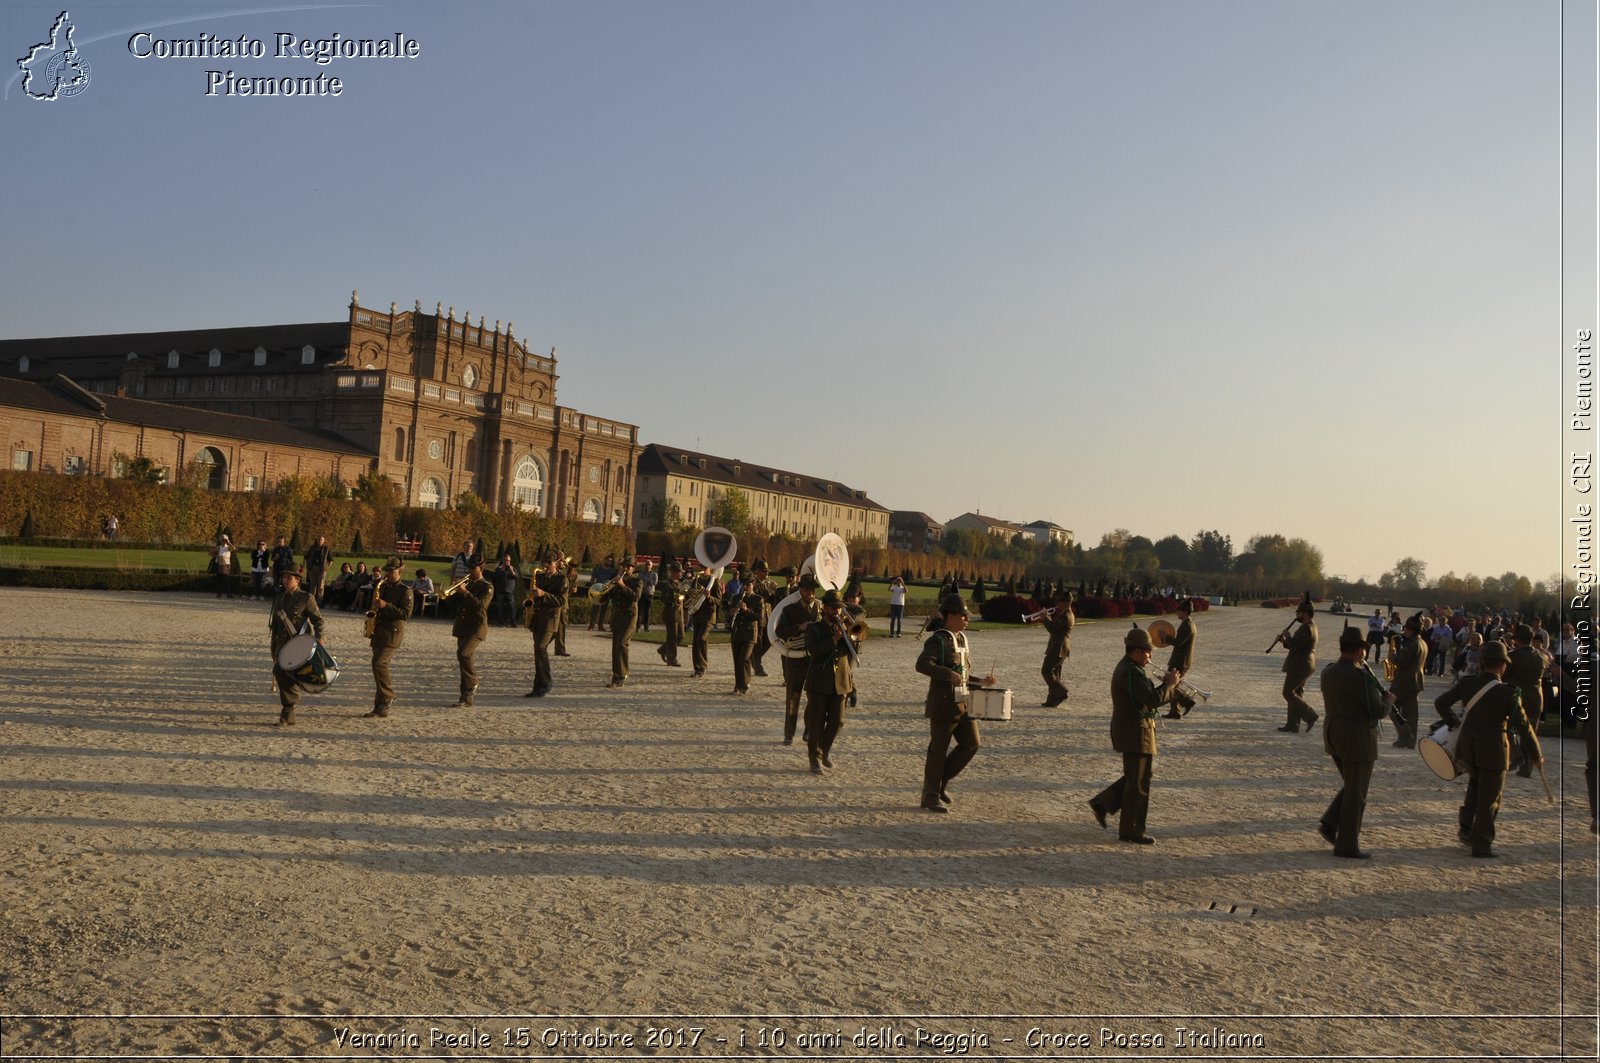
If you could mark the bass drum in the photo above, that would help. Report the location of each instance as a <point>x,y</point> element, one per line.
<point>309,662</point>
<point>1438,752</point>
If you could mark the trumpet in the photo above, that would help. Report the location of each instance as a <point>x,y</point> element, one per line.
<point>1047,613</point>
<point>455,587</point>
<point>1190,691</point>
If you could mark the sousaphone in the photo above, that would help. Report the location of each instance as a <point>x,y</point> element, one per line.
<point>830,563</point>
<point>715,548</point>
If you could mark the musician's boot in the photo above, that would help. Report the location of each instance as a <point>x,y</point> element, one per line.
<point>791,720</point>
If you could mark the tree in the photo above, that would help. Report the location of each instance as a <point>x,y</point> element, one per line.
<point>1173,553</point>
<point>139,470</point>
<point>376,490</point>
<point>1211,551</point>
<point>1408,574</point>
<point>663,515</point>
<point>731,511</point>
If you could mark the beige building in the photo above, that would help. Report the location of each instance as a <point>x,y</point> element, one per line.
<point>441,405</point>
<point>783,503</point>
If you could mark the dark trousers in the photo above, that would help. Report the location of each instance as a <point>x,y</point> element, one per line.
<point>824,718</point>
<point>544,632</point>
<point>1343,817</point>
<point>1294,691</point>
<point>1129,796</point>
<point>621,638</point>
<point>763,644</point>
<point>1055,689</point>
<point>466,650</point>
<point>794,685</point>
<point>1406,706</point>
<point>288,692</point>
<point>1481,805</point>
<point>561,631</point>
<point>897,615</point>
<point>942,762</point>
<point>672,625</point>
<point>741,665</point>
<point>383,651</point>
<point>700,647</point>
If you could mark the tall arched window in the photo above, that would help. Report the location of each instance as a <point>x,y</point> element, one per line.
<point>215,466</point>
<point>428,494</point>
<point>591,510</point>
<point>399,444</point>
<point>527,485</point>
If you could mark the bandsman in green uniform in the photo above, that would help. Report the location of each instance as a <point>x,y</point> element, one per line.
<point>829,677</point>
<point>1411,657</point>
<point>471,626</point>
<point>292,609</point>
<point>391,608</point>
<point>1299,667</point>
<point>767,595</point>
<point>622,607</point>
<point>547,600</point>
<point>1353,701</point>
<point>1057,648</point>
<point>1526,673</point>
<point>791,632</point>
<point>670,590</point>
<point>1134,700</point>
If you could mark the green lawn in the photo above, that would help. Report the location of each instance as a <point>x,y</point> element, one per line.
<point>149,560</point>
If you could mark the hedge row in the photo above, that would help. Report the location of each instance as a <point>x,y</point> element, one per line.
<point>75,507</point>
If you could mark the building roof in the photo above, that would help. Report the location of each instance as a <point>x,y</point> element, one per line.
<point>64,396</point>
<point>105,357</point>
<point>912,516</point>
<point>988,522</point>
<point>659,459</point>
<point>1049,525</point>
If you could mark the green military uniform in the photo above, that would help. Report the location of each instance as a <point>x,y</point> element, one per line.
<point>701,621</point>
<point>291,610</point>
<point>1134,698</point>
<point>561,616</point>
<point>1482,747</point>
<point>943,659</point>
<point>1410,659</point>
<point>671,592</point>
<point>1298,668</point>
<point>766,595</point>
<point>1526,673</point>
<point>547,603</point>
<point>1352,705</point>
<point>471,627</point>
<point>391,604</point>
<point>1056,651</point>
<point>622,603</point>
<point>791,632</point>
<point>745,622</point>
<point>828,668</point>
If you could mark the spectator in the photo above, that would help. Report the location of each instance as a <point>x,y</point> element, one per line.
<point>421,588</point>
<point>897,606</point>
<point>222,565</point>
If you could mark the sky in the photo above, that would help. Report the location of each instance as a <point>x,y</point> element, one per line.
<point>1242,265</point>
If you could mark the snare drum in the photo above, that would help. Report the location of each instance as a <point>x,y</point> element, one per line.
<point>1439,751</point>
<point>989,703</point>
<point>309,662</point>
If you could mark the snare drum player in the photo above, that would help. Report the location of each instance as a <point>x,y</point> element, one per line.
<point>1299,667</point>
<point>1353,702</point>
<point>291,609</point>
<point>945,665</point>
<point>547,597</point>
<point>1492,710</point>
<point>391,608</point>
<point>1182,659</point>
<point>471,626</point>
<point>791,632</point>
<point>1058,648</point>
<point>1134,699</point>
<point>828,668</point>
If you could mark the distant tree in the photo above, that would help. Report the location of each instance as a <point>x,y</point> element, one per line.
<point>731,511</point>
<point>376,490</point>
<point>1211,551</point>
<point>355,544</point>
<point>979,595</point>
<point>26,531</point>
<point>139,470</point>
<point>1408,574</point>
<point>1173,553</point>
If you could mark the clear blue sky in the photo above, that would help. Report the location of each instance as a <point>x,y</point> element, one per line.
<point>1252,266</point>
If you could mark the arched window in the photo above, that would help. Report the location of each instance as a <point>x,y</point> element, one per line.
<point>616,515</point>
<point>216,468</point>
<point>527,485</point>
<point>591,510</point>
<point>428,494</point>
<point>399,444</point>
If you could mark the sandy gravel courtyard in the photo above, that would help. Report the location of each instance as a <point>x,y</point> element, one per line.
<point>648,871</point>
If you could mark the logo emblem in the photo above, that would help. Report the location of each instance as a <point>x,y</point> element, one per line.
<point>55,69</point>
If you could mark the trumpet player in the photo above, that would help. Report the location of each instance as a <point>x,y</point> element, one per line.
<point>547,597</point>
<point>1353,703</point>
<point>1134,699</point>
<point>622,607</point>
<point>1058,621</point>
<point>829,678</point>
<point>670,589</point>
<point>386,623</point>
<point>473,595</point>
<point>791,632</point>
<point>1299,666</point>
<point>1182,659</point>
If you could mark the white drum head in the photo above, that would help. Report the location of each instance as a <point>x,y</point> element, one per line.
<point>297,651</point>
<point>833,562</point>
<point>1438,753</point>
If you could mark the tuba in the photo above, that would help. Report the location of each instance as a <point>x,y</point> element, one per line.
<point>715,548</point>
<point>829,562</point>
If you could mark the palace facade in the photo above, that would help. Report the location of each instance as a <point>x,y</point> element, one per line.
<point>436,403</point>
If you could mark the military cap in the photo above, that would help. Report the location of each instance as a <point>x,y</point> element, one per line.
<point>808,580</point>
<point>1137,638</point>
<point>953,603</point>
<point>475,561</point>
<point>1522,633</point>
<point>830,597</point>
<point>1495,651</point>
<point>394,564</point>
<point>1352,639</point>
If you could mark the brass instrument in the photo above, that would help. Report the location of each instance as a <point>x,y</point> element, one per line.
<point>598,591</point>
<point>857,630</point>
<point>1162,633</point>
<point>697,596</point>
<point>371,626</point>
<point>455,587</point>
<point>1047,613</point>
<point>1190,691</point>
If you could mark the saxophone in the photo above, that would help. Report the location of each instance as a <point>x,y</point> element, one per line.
<point>371,627</point>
